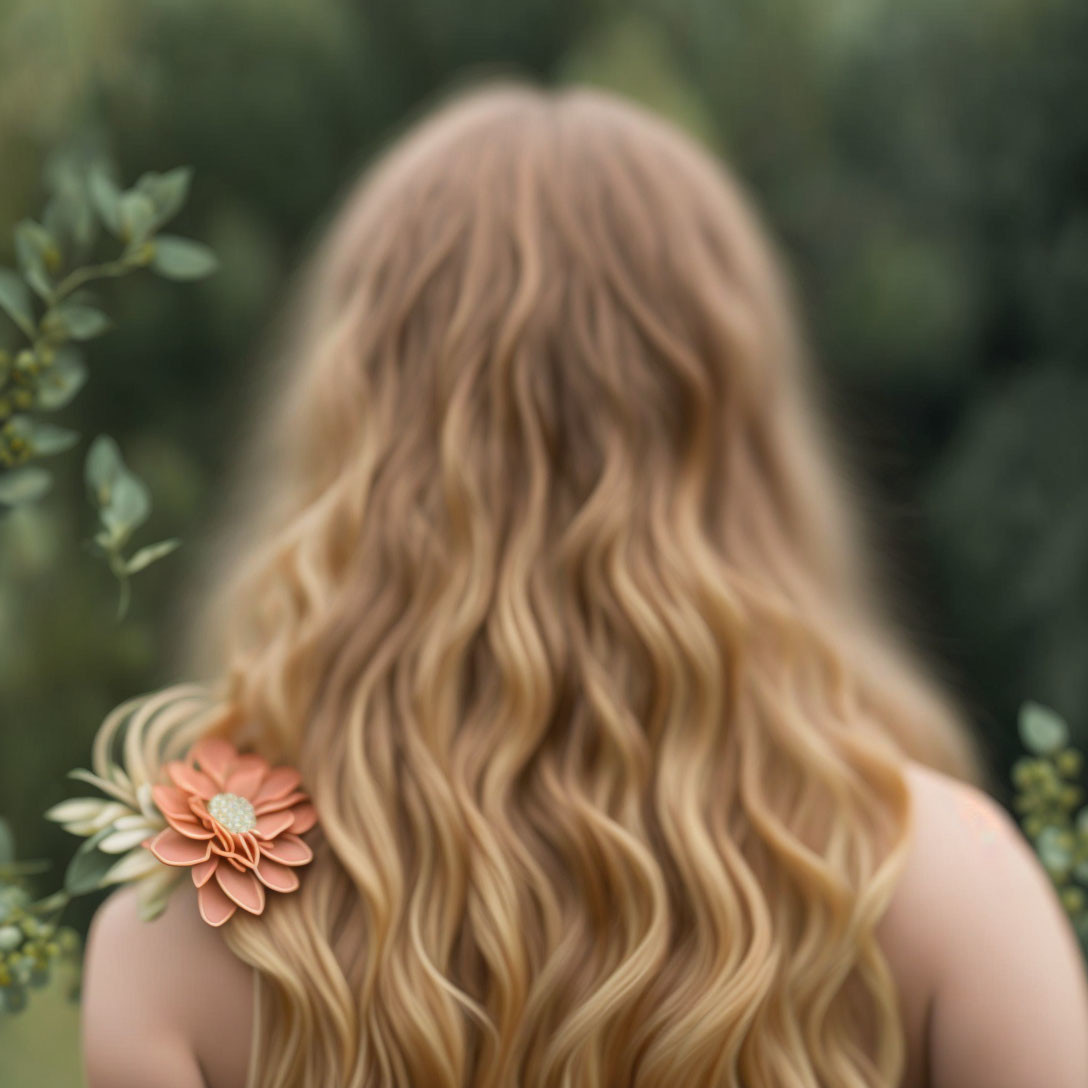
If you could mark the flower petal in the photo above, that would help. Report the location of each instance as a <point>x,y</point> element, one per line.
<point>273,824</point>
<point>288,850</point>
<point>245,846</point>
<point>203,870</point>
<point>276,876</point>
<point>216,758</point>
<point>215,906</point>
<point>244,888</point>
<point>190,828</point>
<point>171,801</point>
<point>280,782</point>
<point>286,801</point>
<point>246,778</point>
<point>173,848</point>
<point>305,818</point>
<point>191,780</point>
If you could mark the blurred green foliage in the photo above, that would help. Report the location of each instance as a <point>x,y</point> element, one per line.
<point>924,166</point>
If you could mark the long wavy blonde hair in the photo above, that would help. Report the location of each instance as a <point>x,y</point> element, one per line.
<point>541,564</point>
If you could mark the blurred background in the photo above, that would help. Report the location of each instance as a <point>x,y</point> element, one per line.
<point>923,166</point>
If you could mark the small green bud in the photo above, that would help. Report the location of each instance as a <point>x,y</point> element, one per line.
<point>1069,762</point>
<point>1071,796</point>
<point>1021,774</point>
<point>10,938</point>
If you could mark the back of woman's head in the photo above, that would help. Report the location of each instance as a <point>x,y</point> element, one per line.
<point>538,565</point>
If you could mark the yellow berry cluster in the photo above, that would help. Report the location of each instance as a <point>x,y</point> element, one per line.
<point>1049,801</point>
<point>29,947</point>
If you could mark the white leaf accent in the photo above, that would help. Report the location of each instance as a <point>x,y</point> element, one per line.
<point>76,809</point>
<point>120,841</point>
<point>135,864</point>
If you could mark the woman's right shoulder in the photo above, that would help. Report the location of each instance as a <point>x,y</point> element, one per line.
<point>978,930</point>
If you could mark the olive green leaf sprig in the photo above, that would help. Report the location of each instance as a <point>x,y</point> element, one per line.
<point>47,300</point>
<point>32,942</point>
<point>1050,804</point>
<point>123,503</point>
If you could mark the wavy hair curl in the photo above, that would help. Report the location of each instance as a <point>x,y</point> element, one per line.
<point>543,564</point>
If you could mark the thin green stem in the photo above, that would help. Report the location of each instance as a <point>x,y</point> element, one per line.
<point>81,276</point>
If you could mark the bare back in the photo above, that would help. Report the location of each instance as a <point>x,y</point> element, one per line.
<point>992,987</point>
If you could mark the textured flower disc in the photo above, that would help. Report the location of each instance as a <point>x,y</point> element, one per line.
<point>233,812</point>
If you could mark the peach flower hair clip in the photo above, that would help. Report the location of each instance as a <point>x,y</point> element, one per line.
<point>233,820</point>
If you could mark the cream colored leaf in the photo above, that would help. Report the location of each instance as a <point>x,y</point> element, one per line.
<point>79,809</point>
<point>134,820</point>
<point>127,795</point>
<point>134,865</point>
<point>120,841</point>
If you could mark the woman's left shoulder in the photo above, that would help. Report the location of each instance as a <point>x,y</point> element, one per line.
<point>166,1004</point>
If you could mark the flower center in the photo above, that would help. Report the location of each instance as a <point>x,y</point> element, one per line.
<point>233,812</point>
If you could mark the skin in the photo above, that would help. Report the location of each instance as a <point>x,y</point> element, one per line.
<point>992,985</point>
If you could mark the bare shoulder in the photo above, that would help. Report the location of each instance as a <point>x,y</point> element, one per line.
<point>979,927</point>
<point>165,1003</point>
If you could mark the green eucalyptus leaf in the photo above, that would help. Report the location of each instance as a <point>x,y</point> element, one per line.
<point>24,485</point>
<point>37,254</point>
<point>47,438</point>
<point>15,299</point>
<point>182,258</point>
<point>60,382</point>
<point>106,197</point>
<point>167,192</point>
<point>69,215</point>
<point>129,505</point>
<point>7,843</point>
<point>137,215</point>
<point>88,865</point>
<point>1042,730</point>
<point>43,438</point>
<point>33,243</point>
<point>102,468</point>
<point>150,553</point>
<point>79,321</point>
<point>52,903</point>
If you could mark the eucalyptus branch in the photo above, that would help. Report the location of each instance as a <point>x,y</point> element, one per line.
<point>52,277</point>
